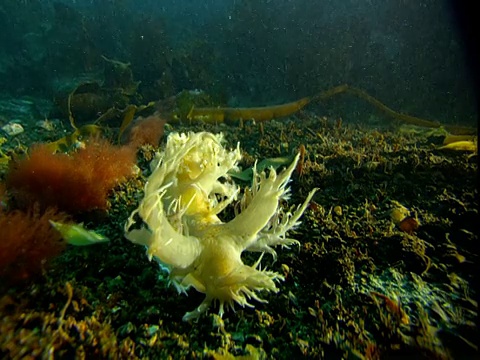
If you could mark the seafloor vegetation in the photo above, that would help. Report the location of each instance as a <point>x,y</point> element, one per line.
<point>385,267</point>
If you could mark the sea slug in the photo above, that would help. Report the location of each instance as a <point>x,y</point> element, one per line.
<point>188,188</point>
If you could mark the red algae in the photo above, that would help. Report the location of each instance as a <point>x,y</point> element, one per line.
<point>76,182</point>
<point>27,243</point>
<point>3,193</point>
<point>147,130</point>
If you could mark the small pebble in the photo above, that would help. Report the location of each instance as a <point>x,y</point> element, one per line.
<point>337,210</point>
<point>45,124</point>
<point>13,129</point>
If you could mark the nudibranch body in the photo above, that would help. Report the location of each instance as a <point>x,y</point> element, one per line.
<point>188,188</point>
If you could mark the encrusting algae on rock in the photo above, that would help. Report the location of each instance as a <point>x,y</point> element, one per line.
<point>188,188</point>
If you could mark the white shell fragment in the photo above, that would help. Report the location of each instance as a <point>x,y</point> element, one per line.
<point>13,128</point>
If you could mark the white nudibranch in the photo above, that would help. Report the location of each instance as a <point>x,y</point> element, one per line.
<point>189,186</point>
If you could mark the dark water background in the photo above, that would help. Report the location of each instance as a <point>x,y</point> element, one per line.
<point>248,52</point>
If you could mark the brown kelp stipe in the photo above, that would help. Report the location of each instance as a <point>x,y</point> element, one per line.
<point>230,115</point>
<point>404,118</point>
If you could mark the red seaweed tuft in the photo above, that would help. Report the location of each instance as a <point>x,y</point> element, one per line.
<point>73,183</point>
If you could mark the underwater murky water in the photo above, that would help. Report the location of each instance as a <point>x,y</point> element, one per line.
<point>118,196</point>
